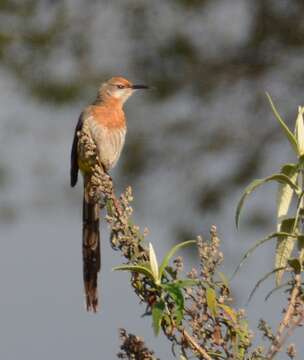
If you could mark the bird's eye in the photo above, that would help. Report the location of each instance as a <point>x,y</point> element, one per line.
<point>120,86</point>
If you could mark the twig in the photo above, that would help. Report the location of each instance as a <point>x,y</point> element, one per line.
<point>195,346</point>
<point>294,325</point>
<point>280,339</point>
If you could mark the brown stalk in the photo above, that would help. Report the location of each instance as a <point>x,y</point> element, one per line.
<point>279,340</point>
<point>196,346</point>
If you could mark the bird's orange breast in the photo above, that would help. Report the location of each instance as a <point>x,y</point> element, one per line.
<point>110,116</point>
<point>107,127</point>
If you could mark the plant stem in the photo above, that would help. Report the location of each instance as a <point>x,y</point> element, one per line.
<point>196,346</point>
<point>280,339</point>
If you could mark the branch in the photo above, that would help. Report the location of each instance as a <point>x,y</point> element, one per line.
<point>196,346</point>
<point>281,334</point>
<point>210,316</point>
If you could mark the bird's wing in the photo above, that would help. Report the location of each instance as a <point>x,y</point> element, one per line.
<point>74,161</point>
<point>109,143</point>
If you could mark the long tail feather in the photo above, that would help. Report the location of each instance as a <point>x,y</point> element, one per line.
<point>90,248</point>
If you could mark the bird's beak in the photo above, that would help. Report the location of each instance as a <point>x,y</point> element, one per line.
<point>136,87</point>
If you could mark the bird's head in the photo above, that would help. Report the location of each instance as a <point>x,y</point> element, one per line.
<point>118,88</point>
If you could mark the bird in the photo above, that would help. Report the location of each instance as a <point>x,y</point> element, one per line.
<point>106,121</point>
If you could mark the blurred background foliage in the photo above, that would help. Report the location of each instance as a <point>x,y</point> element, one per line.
<point>209,61</point>
<point>194,141</point>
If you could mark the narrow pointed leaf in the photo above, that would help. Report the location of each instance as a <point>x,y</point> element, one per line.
<point>211,301</point>
<point>280,178</point>
<point>176,294</point>
<point>290,136</point>
<point>229,311</point>
<point>153,264</point>
<point>179,314</point>
<point>135,268</point>
<point>299,131</point>
<point>187,283</point>
<point>256,245</point>
<point>171,253</point>
<point>157,316</point>
<point>285,192</point>
<point>265,277</point>
<point>284,247</point>
<point>277,288</point>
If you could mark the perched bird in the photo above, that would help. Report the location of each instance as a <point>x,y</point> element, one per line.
<point>106,122</point>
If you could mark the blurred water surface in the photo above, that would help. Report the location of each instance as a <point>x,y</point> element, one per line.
<point>193,144</point>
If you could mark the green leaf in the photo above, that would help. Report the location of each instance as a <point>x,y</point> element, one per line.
<point>154,264</point>
<point>177,296</point>
<point>256,245</point>
<point>285,192</point>
<point>109,207</point>
<point>287,225</point>
<point>179,314</point>
<point>284,247</point>
<point>295,264</point>
<point>211,301</point>
<point>171,253</point>
<point>229,311</point>
<point>262,280</point>
<point>299,131</point>
<point>301,162</point>
<point>289,168</point>
<point>300,242</point>
<point>171,271</point>
<point>142,269</point>
<point>175,293</point>
<point>157,316</point>
<point>290,136</point>
<point>280,178</point>
<point>187,283</point>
